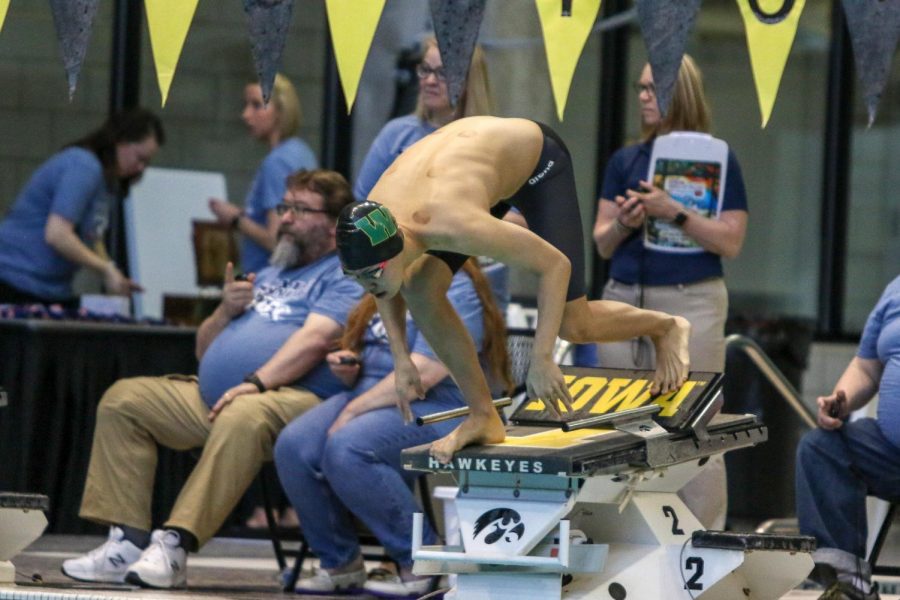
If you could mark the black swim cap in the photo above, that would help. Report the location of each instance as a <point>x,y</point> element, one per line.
<point>367,234</point>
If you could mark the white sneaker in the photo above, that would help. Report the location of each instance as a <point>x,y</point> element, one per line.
<point>107,563</point>
<point>385,584</point>
<point>323,582</point>
<point>163,564</point>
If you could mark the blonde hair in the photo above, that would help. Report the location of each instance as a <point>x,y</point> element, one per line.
<point>476,98</point>
<point>688,108</point>
<point>287,104</point>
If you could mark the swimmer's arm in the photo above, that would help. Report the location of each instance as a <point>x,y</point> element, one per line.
<point>483,235</point>
<point>393,315</point>
<point>408,383</point>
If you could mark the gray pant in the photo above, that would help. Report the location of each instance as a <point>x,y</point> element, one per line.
<point>705,305</point>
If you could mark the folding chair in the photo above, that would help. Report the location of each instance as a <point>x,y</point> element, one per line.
<point>879,544</point>
<point>519,343</point>
<point>366,538</point>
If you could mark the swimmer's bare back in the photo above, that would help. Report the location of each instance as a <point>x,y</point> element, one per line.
<point>476,161</point>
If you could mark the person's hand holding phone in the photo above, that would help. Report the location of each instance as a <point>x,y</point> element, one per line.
<point>345,365</point>
<point>237,294</point>
<point>833,410</point>
<point>631,212</point>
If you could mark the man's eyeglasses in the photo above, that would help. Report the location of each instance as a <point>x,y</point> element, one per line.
<point>297,210</point>
<point>640,88</point>
<point>423,71</point>
<point>373,272</point>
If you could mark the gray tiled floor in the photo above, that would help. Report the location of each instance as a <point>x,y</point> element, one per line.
<point>225,569</point>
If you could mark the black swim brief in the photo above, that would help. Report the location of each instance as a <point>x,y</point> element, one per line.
<point>549,203</point>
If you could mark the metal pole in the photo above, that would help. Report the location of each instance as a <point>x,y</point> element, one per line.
<point>125,65</point>
<point>610,114</point>
<point>456,412</point>
<point>337,126</point>
<point>836,177</point>
<point>124,92</point>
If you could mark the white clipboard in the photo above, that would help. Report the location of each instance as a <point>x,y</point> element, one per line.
<point>692,168</point>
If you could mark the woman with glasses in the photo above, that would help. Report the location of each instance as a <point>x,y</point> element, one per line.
<point>687,285</point>
<point>433,110</point>
<point>276,125</point>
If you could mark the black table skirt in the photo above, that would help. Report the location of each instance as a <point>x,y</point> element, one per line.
<point>54,374</point>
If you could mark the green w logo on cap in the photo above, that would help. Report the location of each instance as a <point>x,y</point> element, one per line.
<point>378,226</point>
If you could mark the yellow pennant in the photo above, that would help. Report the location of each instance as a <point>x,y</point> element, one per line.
<point>771,26</point>
<point>4,6</point>
<point>352,24</point>
<point>169,21</point>
<point>564,39</point>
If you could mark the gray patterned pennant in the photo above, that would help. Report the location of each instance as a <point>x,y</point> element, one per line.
<point>456,24</point>
<point>874,27</point>
<point>665,26</point>
<point>267,23</point>
<point>73,20</point>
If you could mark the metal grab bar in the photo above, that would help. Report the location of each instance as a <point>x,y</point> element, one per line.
<point>773,374</point>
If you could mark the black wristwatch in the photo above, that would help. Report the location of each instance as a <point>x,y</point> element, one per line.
<point>680,218</point>
<point>236,221</point>
<point>255,380</point>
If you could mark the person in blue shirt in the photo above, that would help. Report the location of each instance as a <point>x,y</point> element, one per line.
<point>57,222</point>
<point>261,357</point>
<point>843,461</point>
<point>687,285</point>
<point>276,125</point>
<point>342,458</point>
<point>433,110</point>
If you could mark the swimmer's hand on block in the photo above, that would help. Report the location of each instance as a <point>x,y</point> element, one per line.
<point>457,412</point>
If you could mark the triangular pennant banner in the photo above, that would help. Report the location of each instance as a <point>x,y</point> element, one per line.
<point>874,27</point>
<point>168,21</point>
<point>456,25</point>
<point>268,22</point>
<point>565,34</point>
<point>352,24</point>
<point>665,26</point>
<point>4,6</point>
<point>771,27</point>
<point>73,20</point>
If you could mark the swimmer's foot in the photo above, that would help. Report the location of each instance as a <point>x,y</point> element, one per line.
<point>485,429</point>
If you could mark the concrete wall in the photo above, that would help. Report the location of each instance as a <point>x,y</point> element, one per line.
<point>202,116</point>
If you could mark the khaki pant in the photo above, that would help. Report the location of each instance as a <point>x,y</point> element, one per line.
<point>136,414</point>
<point>705,305</point>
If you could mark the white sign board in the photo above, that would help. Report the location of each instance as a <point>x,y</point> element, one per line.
<point>158,215</point>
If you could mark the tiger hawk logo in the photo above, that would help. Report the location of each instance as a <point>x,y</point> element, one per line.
<point>499,524</point>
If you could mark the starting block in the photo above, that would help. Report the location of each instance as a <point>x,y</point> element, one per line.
<point>593,496</point>
<point>22,521</point>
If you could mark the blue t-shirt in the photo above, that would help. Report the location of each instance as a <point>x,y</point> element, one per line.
<point>881,340</point>
<point>69,184</point>
<point>283,299</point>
<point>267,190</point>
<point>378,362</point>
<point>633,263</point>
<point>396,136</point>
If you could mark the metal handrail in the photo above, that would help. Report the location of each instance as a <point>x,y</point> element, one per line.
<point>773,374</point>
